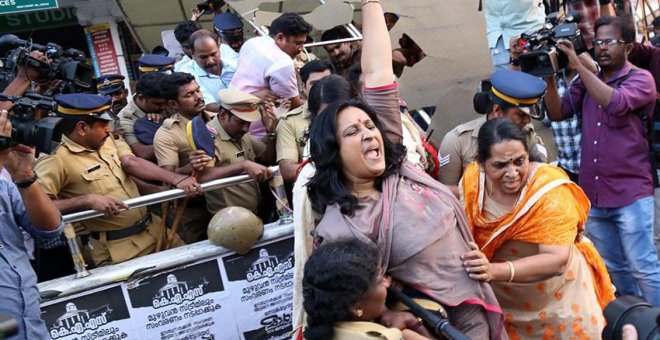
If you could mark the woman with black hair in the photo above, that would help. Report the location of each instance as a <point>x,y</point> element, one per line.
<point>527,219</point>
<point>363,189</point>
<point>344,290</point>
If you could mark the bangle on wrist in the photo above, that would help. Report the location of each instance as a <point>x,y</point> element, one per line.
<point>512,271</point>
<point>24,183</point>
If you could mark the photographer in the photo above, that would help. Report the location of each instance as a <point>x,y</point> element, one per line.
<point>23,80</point>
<point>615,171</point>
<point>18,283</point>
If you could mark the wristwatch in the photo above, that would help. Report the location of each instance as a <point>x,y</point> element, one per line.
<point>272,135</point>
<point>24,183</point>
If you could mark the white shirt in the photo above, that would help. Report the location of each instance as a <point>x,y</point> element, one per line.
<point>508,18</point>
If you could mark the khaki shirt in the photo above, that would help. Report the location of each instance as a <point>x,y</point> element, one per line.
<point>290,134</point>
<point>363,330</point>
<point>229,151</point>
<point>171,144</point>
<point>460,146</point>
<point>73,170</point>
<point>127,117</point>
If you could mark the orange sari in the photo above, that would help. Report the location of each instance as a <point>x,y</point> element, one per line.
<point>551,210</point>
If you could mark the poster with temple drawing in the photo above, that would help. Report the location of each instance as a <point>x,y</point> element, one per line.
<point>261,283</point>
<point>97,314</point>
<point>185,303</point>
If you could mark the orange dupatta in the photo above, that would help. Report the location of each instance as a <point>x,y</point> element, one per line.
<point>552,210</point>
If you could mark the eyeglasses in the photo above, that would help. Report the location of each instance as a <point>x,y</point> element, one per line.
<point>608,42</point>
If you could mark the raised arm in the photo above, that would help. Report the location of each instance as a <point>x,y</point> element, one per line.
<point>376,46</point>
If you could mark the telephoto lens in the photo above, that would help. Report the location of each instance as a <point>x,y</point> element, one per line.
<point>631,310</point>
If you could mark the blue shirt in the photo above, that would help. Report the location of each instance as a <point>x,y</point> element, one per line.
<point>209,83</point>
<point>18,282</point>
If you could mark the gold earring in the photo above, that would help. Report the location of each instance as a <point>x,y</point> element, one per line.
<point>359,313</point>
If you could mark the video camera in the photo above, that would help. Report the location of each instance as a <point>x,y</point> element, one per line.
<point>43,134</point>
<point>541,57</point>
<point>631,310</point>
<point>69,65</point>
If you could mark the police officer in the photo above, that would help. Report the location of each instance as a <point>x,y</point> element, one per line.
<point>293,125</point>
<point>236,151</point>
<point>155,63</point>
<point>230,29</point>
<point>172,147</point>
<point>113,85</point>
<point>514,95</point>
<point>88,170</point>
<point>147,101</point>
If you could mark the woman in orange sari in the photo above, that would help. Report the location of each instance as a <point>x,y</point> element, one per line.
<point>527,220</point>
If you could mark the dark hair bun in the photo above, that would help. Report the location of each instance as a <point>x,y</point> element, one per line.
<point>480,102</point>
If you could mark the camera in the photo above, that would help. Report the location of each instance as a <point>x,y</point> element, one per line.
<point>43,134</point>
<point>631,310</point>
<point>69,65</point>
<point>541,57</point>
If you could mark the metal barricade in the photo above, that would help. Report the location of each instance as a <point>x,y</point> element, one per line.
<point>133,203</point>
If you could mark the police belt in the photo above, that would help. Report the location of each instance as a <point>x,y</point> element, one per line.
<point>123,233</point>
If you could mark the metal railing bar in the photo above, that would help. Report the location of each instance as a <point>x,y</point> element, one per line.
<point>159,197</point>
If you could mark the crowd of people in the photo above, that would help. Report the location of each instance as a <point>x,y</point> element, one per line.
<point>482,230</point>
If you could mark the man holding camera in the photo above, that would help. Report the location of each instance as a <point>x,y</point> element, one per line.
<point>92,170</point>
<point>40,218</point>
<point>615,170</point>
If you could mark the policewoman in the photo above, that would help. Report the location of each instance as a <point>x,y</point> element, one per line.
<point>514,95</point>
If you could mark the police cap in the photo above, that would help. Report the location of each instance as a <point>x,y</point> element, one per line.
<point>108,84</point>
<point>223,22</point>
<point>145,130</point>
<point>242,105</point>
<point>519,89</point>
<point>199,137</point>
<point>155,63</point>
<point>83,104</point>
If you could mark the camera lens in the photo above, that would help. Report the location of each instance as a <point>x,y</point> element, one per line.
<point>631,310</point>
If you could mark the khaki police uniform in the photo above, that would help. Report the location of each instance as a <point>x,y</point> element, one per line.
<point>291,131</point>
<point>172,148</point>
<point>127,117</point>
<point>73,170</point>
<point>362,330</point>
<point>229,151</point>
<point>171,144</point>
<point>459,148</point>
